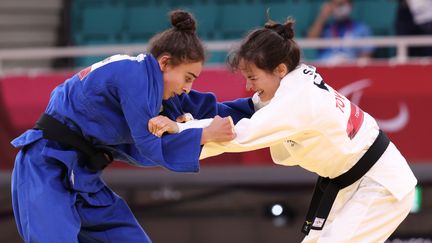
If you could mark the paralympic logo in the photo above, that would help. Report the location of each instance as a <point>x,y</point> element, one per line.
<point>394,124</point>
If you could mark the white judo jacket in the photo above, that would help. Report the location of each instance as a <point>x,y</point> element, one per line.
<point>308,123</point>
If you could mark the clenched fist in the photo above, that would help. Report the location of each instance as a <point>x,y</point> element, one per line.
<point>220,130</point>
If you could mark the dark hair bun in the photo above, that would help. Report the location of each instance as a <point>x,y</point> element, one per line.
<point>285,30</point>
<point>183,21</point>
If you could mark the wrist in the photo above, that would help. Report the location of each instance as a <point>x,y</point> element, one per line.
<point>204,136</point>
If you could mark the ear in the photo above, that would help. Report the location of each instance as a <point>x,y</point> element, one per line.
<point>281,70</point>
<point>164,62</point>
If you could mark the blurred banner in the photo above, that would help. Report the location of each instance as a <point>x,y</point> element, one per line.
<point>398,96</point>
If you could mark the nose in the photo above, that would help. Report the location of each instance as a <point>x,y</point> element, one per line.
<point>187,88</point>
<point>249,86</point>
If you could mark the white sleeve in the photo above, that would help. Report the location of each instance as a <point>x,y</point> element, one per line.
<point>268,126</point>
<point>194,124</point>
<point>284,117</point>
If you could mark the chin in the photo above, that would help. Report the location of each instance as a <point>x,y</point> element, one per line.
<point>264,99</point>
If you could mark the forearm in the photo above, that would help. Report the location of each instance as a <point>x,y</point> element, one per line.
<point>317,27</point>
<point>235,146</point>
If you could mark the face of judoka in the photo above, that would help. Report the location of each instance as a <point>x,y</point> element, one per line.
<point>178,79</point>
<point>260,81</point>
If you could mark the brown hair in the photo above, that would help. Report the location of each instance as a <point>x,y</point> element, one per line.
<point>180,41</point>
<point>267,47</point>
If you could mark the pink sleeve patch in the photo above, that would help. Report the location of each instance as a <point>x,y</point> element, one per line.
<point>83,73</point>
<point>355,121</point>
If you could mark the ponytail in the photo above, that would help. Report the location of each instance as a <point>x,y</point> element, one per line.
<point>267,47</point>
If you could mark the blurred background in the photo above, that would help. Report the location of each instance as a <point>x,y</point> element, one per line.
<point>376,52</point>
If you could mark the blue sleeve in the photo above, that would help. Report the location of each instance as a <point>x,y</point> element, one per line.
<point>139,91</point>
<point>204,105</point>
<point>237,109</point>
<point>363,31</point>
<point>326,31</point>
<point>325,34</point>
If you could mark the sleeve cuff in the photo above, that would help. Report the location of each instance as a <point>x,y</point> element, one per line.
<point>194,124</point>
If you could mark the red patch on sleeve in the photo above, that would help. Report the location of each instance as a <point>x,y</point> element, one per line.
<point>83,73</point>
<point>355,121</point>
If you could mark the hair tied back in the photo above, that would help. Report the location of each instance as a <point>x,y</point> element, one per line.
<point>286,30</point>
<point>183,21</point>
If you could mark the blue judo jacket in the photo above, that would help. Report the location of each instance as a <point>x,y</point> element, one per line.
<point>110,104</point>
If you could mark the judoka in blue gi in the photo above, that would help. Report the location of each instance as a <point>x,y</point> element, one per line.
<point>57,195</point>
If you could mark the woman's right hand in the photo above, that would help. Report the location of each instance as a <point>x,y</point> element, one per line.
<point>220,130</point>
<point>160,124</point>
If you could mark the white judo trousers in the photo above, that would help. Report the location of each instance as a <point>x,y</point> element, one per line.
<point>365,212</point>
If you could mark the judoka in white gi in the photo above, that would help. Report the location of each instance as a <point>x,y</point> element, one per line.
<point>305,122</point>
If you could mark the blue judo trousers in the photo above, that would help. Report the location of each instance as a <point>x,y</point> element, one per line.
<point>56,198</point>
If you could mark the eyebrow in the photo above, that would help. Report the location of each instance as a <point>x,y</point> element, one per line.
<point>193,75</point>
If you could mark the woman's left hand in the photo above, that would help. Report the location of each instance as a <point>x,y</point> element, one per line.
<point>160,124</point>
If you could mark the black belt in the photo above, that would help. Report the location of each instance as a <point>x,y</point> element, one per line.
<point>55,130</point>
<point>326,189</point>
